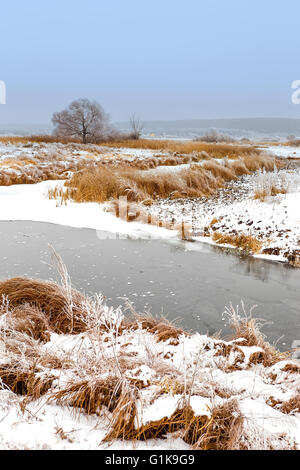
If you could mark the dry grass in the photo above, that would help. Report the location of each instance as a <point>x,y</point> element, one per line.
<point>291,406</point>
<point>221,431</point>
<point>262,195</point>
<point>215,150</point>
<point>160,327</point>
<point>225,173</point>
<point>246,243</point>
<point>91,396</point>
<point>49,298</point>
<point>255,162</point>
<point>224,429</point>
<point>293,368</point>
<point>31,320</point>
<point>24,381</point>
<point>37,139</point>
<point>248,329</point>
<point>102,184</point>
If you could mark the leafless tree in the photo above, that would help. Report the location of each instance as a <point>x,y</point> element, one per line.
<point>136,127</point>
<point>82,119</point>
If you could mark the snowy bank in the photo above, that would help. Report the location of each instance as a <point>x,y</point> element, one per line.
<point>77,374</point>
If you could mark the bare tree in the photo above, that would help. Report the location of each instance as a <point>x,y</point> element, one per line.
<point>136,127</point>
<point>82,119</point>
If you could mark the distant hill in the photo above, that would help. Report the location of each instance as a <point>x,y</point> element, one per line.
<point>245,127</point>
<point>252,128</point>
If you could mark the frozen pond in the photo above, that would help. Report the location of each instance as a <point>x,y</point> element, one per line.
<point>168,277</point>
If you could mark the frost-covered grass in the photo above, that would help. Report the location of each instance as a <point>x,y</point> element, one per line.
<point>103,184</point>
<point>131,380</point>
<point>31,160</point>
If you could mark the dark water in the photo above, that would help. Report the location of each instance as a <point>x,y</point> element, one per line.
<point>159,276</point>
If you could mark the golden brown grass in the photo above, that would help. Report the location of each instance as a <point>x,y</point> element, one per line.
<point>160,327</point>
<point>224,429</point>
<point>102,184</point>
<point>48,297</point>
<point>225,173</point>
<point>221,431</point>
<point>262,194</point>
<point>215,150</point>
<point>24,381</point>
<point>39,139</point>
<point>248,329</point>
<point>291,406</point>
<point>31,320</point>
<point>244,242</point>
<point>293,368</point>
<point>255,162</point>
<point>91,396</point>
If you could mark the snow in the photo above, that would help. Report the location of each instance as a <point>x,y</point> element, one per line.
<point>46,424</point>
<point>163,407</point>
<point>275,221</point>
<point>31,202</point>
<point>284,151</point>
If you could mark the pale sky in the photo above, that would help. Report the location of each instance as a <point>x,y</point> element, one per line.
<point>162,59</point>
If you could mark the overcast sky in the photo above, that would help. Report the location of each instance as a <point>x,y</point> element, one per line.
<point>163,59</point>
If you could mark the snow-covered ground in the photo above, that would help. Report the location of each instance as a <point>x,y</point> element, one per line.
<point>181,370</point>
<point>34,162</point>
<point>31,202</point>
<point>284,151</point>
<point>234,211</point>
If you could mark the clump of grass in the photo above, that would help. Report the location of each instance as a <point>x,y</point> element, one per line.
<point>262,195</point>
<point>24,381</point>
<point>225,428</point>
<point>220,171</point>
<point>248,329</point>
<point>258,161</point>
<point>244,242</point>
<point>270,184</point>
<point>30,320</point>
<point>161,327</point>
<point>102,185</point>
<point>221,431</point>
<point>91,395</point>
<point>291,406</point>
<point>48,298</point>
<point>293,368</point>
<point>239,167</point>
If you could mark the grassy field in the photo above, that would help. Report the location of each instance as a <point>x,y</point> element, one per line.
<point>102,184</point>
